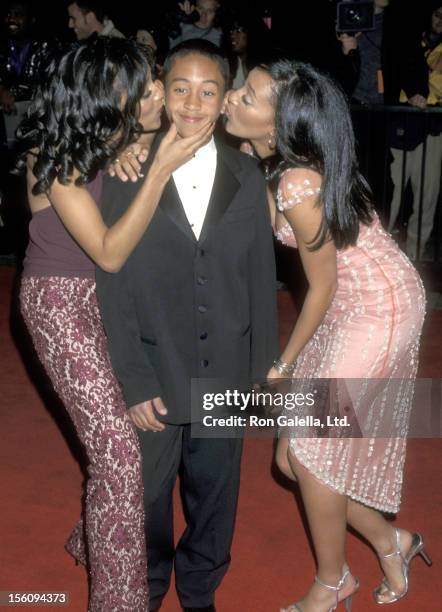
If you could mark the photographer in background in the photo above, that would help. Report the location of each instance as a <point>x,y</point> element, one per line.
<point>364,53</point>
<point>379,63</point>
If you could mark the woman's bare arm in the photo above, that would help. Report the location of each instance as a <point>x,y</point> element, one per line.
<point>109,247</point>
<point>321,272</point>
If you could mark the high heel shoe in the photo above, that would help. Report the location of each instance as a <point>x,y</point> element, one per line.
<point>336,589</point>
<point>416,548</point>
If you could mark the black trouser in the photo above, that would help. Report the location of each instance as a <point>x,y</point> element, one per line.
<point>209,473</point>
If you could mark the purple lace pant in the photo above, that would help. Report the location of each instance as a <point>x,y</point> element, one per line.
<point>64,321</point>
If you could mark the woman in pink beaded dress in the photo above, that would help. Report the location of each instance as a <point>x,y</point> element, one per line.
<point>361,319</point>
<point>95,100</point>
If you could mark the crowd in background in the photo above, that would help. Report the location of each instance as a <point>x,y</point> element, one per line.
<point>397,61</point>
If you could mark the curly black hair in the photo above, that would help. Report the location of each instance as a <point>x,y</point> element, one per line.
<point>85,110</point>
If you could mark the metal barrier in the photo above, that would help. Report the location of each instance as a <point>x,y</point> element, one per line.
<point>385,134</point>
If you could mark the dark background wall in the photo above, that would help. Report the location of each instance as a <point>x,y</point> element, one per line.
<point>304,27</point>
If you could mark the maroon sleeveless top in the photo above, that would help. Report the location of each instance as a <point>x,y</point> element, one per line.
<point>51,250</point>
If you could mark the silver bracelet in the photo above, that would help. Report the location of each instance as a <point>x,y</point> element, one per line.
<point>284,368</point>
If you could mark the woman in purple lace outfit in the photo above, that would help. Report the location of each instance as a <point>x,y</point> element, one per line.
<point>95,101</point>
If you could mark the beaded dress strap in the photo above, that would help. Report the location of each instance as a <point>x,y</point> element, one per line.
<point>294,189</point>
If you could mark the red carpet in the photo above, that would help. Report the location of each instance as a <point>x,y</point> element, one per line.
<point>272,563</point>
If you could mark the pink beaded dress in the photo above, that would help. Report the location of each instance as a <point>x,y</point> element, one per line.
<point>370,331</point>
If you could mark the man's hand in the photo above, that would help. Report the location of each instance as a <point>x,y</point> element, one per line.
<point>349,43</point>
<point>128,164</point>
<point>417,101</point>
<point>187,7</point>
<point>7,101</point>
<point>144,414</point>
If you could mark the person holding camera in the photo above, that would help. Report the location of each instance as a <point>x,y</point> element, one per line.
<point>366,48</point>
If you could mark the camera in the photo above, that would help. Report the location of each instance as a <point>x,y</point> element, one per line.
<point>354,17</point>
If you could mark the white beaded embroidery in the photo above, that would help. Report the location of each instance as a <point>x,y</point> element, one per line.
<point>295,193</point>
<point>367,470</point>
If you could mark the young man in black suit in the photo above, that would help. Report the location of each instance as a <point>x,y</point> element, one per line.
<point>196,299</point>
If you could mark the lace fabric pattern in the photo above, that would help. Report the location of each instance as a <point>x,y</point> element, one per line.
<point>62,316</point>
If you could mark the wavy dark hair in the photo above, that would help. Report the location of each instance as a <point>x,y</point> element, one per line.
<point>314,130</point>
<point>85,110</point>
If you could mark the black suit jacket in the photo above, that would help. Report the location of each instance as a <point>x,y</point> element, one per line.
<point>183,308</point>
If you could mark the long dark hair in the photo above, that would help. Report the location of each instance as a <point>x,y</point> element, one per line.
<point>85,110</point>
<point>314,130</point>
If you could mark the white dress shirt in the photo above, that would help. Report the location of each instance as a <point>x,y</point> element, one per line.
<point>194,183</point>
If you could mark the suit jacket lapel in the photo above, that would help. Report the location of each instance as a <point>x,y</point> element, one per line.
<point>171,204</point>
<point>225,186</point>
<point>224,189</point>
